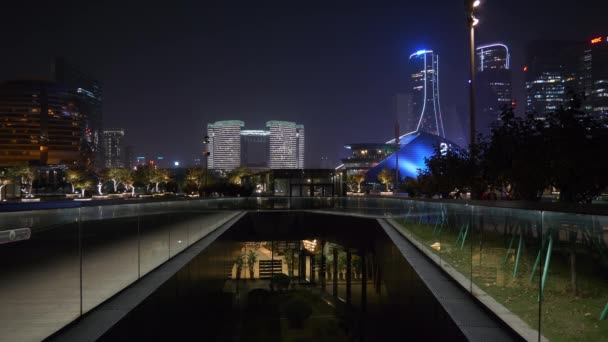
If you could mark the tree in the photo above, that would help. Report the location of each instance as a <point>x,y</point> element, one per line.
<point>83,184</point>
<point>26,174</point>
<point>386,177</point>
<point>575,142</point>
<point>252,258</point>
<point>156,177</point>
<point>234,176</point>
<point>117,176</point>
<point>129,183</point>
<point>239,261</point>
<point>194,179</point>
<point>515,156</point>
<point>5,179</point>
<point>72,176</point>
<point>355,180</point>
<point>447,171</point>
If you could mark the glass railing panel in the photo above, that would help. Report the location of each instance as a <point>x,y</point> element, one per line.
<point>39,273</point>
<point>154,232</point>
<point>505,243</point>
<point>178,230</point>
<point>110,255</point>
<point>574,277</point>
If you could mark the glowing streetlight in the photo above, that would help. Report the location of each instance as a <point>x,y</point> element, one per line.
<point>470,6</point>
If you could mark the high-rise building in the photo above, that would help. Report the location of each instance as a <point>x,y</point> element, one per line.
<point>88,93</point>
<point>404,112</point>
<point>425,92</point>
<point>225,144</point>
<point>254,148</point>
<point>300,146</point>
<point>553,68</point>
<point>114,147</point>
<point>129,157</point>
<point>595,76</point>
<point>493,83</point>
<point>40,123</point>
<point>286,145</point>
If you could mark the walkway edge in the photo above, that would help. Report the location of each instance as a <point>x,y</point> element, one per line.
<point>98,321</point>
<point>510,319</point>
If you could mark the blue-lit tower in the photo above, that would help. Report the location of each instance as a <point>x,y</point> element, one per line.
<point>425,91</point>
<point>493,84</point>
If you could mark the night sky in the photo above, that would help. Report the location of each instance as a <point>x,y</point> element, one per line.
<point>170,67</point>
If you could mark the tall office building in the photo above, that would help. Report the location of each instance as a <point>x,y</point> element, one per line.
<point>552,70</point>
<point>494,92</point>
<point>300,146</point>
<point>88,93</point>
<point>595,76</point>
<point>254,148</point>
<point>225,144</point>
<point>425,92</point>
<point>404,112</point>
<point>114,147</point>
<point>286,145</point>
<point>40,123</point>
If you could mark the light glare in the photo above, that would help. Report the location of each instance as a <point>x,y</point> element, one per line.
<point>476,3</point>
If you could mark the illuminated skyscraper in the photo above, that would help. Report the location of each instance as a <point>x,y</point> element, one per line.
<point>595,75</point>
<point>300,145</point>
<point>114,147</point>
<point>40,123</point>
<point>88,93</point>
<point>552,69</point>
<point>254,148</point>
<point>225,144</point>
<point>425,92</point>
<point>493,83</point>
<point>286,145</point>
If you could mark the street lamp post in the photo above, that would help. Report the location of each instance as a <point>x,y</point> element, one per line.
<point>471,22</point>
<point>206,153</point>
<point>470,6</point>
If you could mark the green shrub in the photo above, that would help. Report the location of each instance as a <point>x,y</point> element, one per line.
<point>279,281</point>
<point>296,311</point>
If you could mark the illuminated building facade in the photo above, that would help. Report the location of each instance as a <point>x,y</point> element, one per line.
<point>254,148</point>
<point>225,144</point>
<point>286,145</point>
<point>414,148</point>
<point>595,66</point>
<point>425,92</point>
<point>552,70</point>
<point>365,156</point>
<point>114,147</point>
<point>88,94</point>
<point>494,91</point>
<point>300,146</point>
<point>40,123</point>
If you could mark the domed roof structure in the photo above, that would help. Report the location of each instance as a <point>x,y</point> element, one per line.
<point>414,148</point>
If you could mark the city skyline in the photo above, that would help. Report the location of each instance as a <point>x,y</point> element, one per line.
<point>270,69</point>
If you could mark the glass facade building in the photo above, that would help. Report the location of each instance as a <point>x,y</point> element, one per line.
<point>425,92</point>
<point>115,153</point>
<point>88,93</point>
<point>40,123</point>
<point>254,148</point>
<point>225,144</point>
<point>595,65</point>
<point>286,145</point>
<point>553,68</point>
<point>493,83</point>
